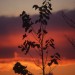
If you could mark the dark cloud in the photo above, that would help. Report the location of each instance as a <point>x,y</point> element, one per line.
<point>12,25</point>
<point>7,52</point>
<point>57,22</point>
<point>9,25</point>
<point>67,52</point>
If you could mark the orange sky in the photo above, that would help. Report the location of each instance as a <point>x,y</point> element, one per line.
<point>66,66</point>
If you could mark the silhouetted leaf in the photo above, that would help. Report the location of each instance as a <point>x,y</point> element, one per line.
<point>39,35</point>
<point>23,13</point>
<point>52,40</point>
<point>44,48</point>
<point>36,21</point>
<point>35,6</point>
<point>31,23</point>
<point>38,46</point>
<point>47,41</point>
<point>58,55</point>
<point>45,31</point>
<point>19,46</point>
<point>27,50</point>
<point>24,36</point>
<point>23,48</point>
<point>24,42</point>
<point>55,61</point>
<point>26,29</point>
<point>39,31</point>
<point>48,11</point>
<point>52,56</point>
<point>44,2</point>
<point>50,63</point>
<point>52,44</point>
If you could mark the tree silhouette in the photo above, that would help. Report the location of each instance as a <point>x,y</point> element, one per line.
<point>39,35</point>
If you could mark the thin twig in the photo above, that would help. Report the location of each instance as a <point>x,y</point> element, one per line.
<point>46,58</point>
<point>53,69</point>
<point>34,61</point>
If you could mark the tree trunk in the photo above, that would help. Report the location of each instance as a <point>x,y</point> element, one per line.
<point>43,66</point>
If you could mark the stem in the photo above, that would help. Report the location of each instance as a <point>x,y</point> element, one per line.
<point>43,62</point>
<point>43,66</point>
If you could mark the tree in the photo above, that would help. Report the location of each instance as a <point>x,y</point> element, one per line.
<point>39,35</point>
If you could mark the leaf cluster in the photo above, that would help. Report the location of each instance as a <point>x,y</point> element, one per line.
<point>44,12</point>
<point>49,43</point>
<point>20,69</point>
<point>27,45</point>
<point>26,21</point>
<point>54,59</point>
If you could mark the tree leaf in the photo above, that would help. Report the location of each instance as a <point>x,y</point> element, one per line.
<point>52,45</point>
<point>55,61</point>
<point>24,36</point>
<point>58,55</point>
<point>47,41</point>
<point>22,13</point>
<point>44,2</point>
<point>38,46</point>
<point>39,35</point>
<point>39,31</point>
<point>52,56</point>
<point>35,6</point>
<point>27,50</point>
<point>19,46</point>
<point>23,49</point>
<point>50,63</point>
<point>45,31</point>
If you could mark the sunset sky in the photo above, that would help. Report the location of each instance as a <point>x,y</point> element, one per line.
<point>11,32</point>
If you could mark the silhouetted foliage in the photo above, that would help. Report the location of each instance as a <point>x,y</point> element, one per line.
<point>54,59</point>
<point>18,68</point>
<point>28,25</point>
